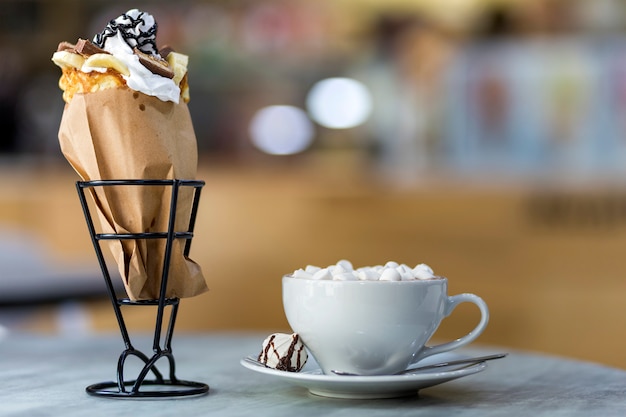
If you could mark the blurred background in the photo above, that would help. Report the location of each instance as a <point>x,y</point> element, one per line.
<point>484,138</point>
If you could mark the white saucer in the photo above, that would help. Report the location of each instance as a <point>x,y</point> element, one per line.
<point>371,387</point>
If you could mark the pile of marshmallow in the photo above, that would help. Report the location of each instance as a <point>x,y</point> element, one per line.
<point>344,271</point>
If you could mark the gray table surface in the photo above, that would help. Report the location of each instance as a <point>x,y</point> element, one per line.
<point>47,376</point>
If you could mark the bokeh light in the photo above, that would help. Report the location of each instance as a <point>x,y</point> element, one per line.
<point>339,103</point>
<point>281,130</point>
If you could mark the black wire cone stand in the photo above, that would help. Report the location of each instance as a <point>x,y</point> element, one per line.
<point>159,387</point>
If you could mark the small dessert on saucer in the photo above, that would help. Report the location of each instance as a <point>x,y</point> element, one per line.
<point>284,352</point>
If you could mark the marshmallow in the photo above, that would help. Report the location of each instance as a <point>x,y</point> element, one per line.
<point>301,273</point>
<point>391,264</point>
<point>346,265</point>
<point>406,273</point>
<point>345,276</point>
<point>312,269</point>
<point>423,271</point>
<point>390,274</point>
<point>368,274</point>
<point>323,274</point>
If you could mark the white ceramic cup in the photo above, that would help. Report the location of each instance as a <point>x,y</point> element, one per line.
<point>373,327</point>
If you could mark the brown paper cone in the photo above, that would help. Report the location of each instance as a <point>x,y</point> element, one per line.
<point>122,134</point>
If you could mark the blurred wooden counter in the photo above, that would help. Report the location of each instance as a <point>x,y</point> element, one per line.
<point>548,262</point>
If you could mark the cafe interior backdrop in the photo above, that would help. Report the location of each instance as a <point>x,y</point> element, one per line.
<point>484,138</point>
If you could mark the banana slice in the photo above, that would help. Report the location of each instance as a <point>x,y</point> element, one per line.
<point>66,59</point>
<point>178,63</point>
<point>185,93</point>
<point>107,61</point>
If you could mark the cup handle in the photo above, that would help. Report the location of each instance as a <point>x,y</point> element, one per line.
<point>451,304</point>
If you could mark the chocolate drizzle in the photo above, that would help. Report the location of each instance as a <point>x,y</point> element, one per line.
<point>129,25</point>
<point>263,356</point>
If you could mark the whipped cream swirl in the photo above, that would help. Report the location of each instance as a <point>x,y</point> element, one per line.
<point>136,29</point>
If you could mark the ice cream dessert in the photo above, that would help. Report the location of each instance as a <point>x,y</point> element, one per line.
<point>284,352</point>
<point>344,271</point>
<point>126,118</point>
<point>125,53</point>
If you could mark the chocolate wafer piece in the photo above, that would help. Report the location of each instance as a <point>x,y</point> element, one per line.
<point>165,51</point>
<point>156,66</point>
<point>66,46</point>
<point>85,47</point>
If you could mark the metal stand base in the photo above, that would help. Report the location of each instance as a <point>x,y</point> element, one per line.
<point>141,387</point>
<point>165,388</point>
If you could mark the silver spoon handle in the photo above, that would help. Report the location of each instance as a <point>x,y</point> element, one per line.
<point>476,359</point>
<point>471,361</point>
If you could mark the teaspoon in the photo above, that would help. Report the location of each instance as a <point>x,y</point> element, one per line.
<point>469,361</point>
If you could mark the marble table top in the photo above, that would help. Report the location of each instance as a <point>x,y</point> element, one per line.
<point>47,376</point>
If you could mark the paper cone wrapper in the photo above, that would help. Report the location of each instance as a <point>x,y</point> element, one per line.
<point>122,134</point>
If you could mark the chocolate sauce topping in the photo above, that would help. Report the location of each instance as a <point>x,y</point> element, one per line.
<point>132,28</point>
